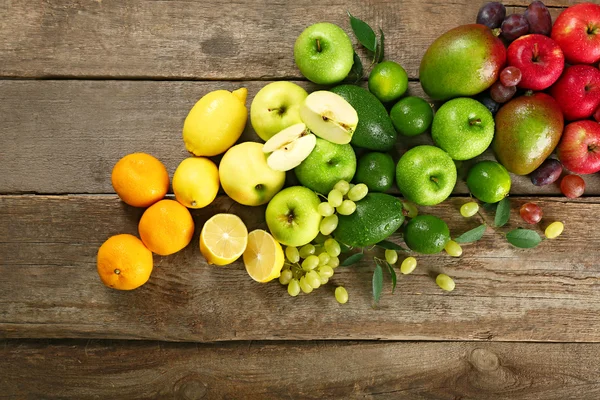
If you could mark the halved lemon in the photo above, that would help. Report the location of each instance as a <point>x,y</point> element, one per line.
<point>223,239</point>
<point>263,257</point>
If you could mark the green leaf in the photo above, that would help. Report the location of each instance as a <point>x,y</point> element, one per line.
<point>353,259</point>
<point>344,248</point>
<point>364,33</point>
<point>357,68</point>
<point>393,274</point>
<point>377,283</point>
<point>472,236</point>
<point>502,212</point>
<point>381,51</point>
<point>386,244</point>
<point>489,206</point>
<point>523,238</point>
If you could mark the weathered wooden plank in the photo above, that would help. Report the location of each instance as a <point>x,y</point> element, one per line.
<point>49,287</point>
<point>309,370</point>
<point>202,39</point>
<point>65,136</point>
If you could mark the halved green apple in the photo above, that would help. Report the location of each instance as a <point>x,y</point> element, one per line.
<point>329,116</point>
<point>289,147</point>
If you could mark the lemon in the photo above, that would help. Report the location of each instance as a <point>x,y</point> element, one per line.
<point>223,239</point>
<point>196,182</point>
<point>263,257</point>
<point>215,122</point>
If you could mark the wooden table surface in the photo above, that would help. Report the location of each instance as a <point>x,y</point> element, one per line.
<point>82,83</point>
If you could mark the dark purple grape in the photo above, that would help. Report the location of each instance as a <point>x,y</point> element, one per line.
<point>485,99</point>
<point>514,26</point>
<point>491,14</point>
<point>539,18</point>
<point>510,76</point>
<point>500,93</point>
<point>547,173</point>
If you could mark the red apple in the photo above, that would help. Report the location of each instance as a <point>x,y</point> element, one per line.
<point>579,147</point>
<point>539,58</point>
<point>577,31</point>
<point>578,92</point>
<point>597,114</point>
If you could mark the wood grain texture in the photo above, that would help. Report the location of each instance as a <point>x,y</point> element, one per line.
<point>301,370</point>
<point>65,136</point>
<point>202,39</point>
<point>49,287</point>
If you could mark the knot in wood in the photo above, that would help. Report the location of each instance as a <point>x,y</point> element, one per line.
<point>484,360</point>
<point>190,388</point>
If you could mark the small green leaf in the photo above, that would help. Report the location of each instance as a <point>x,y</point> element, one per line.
<point>381,51</point>
<point>357,68</point>
<point>353,259</point>
<point>472,236</point>
<point>364,33</point>
<point>344,248</point>
<point>502,213</point>
<point>377,283</point>
<point>386,244</point>
<point>523,238</point>
<point>393,274</point>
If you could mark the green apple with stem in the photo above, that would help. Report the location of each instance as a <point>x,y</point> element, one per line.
<point>293,217</point>
<point>324,53</point>
<point>426,175</point>
<point>276,107</point>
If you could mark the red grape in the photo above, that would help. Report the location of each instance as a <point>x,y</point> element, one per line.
<point>547,173</point>
<point>501,93</point>
<point>514,26</point>
<point>491,14</point>
<point>572,186</point>
<point>531,213</point>
<point>539,18</point>
<point>510,76</point>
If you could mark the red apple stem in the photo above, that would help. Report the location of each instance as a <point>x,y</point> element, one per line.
<point>536,52</point>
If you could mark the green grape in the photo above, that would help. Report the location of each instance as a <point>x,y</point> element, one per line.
<point>358,192</point>
<point>304,286</point>
<point>325,209</point>
<point>335,198</point>
<point>307,250</point>
<point>469,209</point>
<point>408,265</point>
<point>292,254</point>
<point>328,224</point>
<point>333,247</point>
<point>324,258</point>
<point>409,209</point>
<point>445,282</point>
<point>324,279</point>
<point>334,262</point>
<point>326,271</point>
<point>391,256</point>
<point>453,249</point>
<point>346,208</point>
<point>311,262</point>
<point>320,239</point>
<point>341,295</point>
<point>294,288</point>
<point>554,230</point>
<point>285,277</point>
<point>312,278</point>
<point>342,186</point>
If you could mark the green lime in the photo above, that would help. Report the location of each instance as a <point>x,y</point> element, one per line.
<point>488,181</point>
<point>388,81</point>
<point>376,170</point>
<point>411,116</point>
<point>426,234</point>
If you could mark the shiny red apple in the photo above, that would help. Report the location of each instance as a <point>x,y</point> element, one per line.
<point>539,58</point>
<point>579,147</point>
<point>577,92</point>
<point>577,31</point>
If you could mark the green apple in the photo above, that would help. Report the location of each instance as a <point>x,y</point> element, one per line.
<point>426,175</point>
<point>246,177</point>
<point>463,128</point>
<point>293,217</point>
<point>324,53</point>
<point>275,107</point>
<point>329,116</point>
<point>326,165</point>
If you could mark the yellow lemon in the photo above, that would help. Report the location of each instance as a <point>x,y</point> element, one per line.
<point>215,122</point>
<point>223,239</point>
<point>263,257</point>
<point>196,182</point>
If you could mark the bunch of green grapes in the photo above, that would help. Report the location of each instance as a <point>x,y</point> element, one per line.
<point>340,200</point>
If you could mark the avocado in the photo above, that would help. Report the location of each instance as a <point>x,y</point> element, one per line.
<point>377,216</point>
<point>375,130</point>
<point>462,62</point>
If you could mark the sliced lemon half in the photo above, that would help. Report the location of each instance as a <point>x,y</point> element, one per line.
<point>223,239</point>
<point>263,257</point>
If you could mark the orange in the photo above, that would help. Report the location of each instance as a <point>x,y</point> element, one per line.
<point>166,227</point>
<point>140,180</point>
<point>124,262</point>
